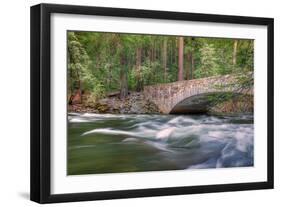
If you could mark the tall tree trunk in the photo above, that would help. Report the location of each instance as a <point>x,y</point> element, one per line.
<point>180,58</point>
<point>165,58</point>
<point>152,53</point>
<point>123,77</point>
<point>192,59</point>
<point>70,84</point>
<point>138,68</point>
<point>234,54</point>
<point>188,60</point>
<point>170,54</point>
<point>76,98</point>
<point>192,65</point>
<point>78,95</point>
<point>149,57</point>
<point>176,52</point>
<point>188,65</point>
<point>109,77</point>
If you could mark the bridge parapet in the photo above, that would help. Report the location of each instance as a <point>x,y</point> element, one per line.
<point>168,95</point>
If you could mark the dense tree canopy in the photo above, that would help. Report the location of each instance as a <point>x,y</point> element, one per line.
<point>102,63</point>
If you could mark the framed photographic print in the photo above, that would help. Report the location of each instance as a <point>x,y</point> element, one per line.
<point>132,103</point>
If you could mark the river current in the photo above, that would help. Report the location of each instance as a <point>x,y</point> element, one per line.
<point>113,143</point>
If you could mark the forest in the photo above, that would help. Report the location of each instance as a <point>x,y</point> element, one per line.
<point>106,70</point>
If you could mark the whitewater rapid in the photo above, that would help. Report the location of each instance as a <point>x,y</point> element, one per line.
<point>183,141</point>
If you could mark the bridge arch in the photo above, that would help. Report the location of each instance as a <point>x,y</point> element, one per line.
<point>201,103</point>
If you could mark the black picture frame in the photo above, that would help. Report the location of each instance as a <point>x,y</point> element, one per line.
<point>40,184</point>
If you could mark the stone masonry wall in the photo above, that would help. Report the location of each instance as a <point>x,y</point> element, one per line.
<point>166,96</point>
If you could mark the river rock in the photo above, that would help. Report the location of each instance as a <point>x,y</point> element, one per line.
<point>134,103</point>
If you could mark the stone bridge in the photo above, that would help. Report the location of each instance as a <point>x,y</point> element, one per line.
<point>192,96</point>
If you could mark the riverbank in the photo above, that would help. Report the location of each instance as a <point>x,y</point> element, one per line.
<point>242,105</point>
<point>137,103</point>
<point>134,103</point>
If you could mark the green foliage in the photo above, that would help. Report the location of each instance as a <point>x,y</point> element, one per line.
<point>96,61</point>
<point>208,62</point>
<point>145,75</point>
<point>246,56</point>
<point>77,62</point>
<point>80,77</point>
<point>95,86</point>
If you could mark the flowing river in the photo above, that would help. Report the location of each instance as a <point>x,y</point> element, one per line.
<point>109,143</point>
